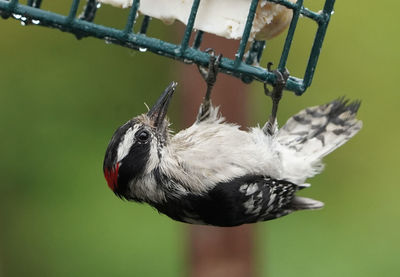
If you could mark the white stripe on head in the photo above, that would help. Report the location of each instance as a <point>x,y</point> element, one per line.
<point>153,160</point>
<point>126,142</point>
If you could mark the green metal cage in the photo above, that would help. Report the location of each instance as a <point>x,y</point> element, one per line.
<point>242,66</point>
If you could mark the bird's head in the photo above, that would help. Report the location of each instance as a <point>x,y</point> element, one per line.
<point>135,147</point>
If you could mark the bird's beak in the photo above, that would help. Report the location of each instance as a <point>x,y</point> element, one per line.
<point>158,112</point>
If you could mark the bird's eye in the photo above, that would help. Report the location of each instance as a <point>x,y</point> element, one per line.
<point>143,136</point>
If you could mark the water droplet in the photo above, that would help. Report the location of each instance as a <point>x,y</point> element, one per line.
<point>187,61</point>
<point>16,16</point>
<point>23,23</point>
<point>107,40</point>
<point>98,5</point>
<point>23,18</point>
<point>332,12</point>
<point>35,21</point>
<point>142,49</point>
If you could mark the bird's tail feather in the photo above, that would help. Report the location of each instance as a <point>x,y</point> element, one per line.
<point>304,203</point>
<point>315,132</point>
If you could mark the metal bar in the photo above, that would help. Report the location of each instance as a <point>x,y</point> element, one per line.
<point>37,3</point>
<point>145,24</point>
<point>254,56</point>
<point>72,12</point>
<point>189,26</point>
<point>304,11</point>
<point>289,37</point>
<point>197,39</point>
<point>132,16</point>
<point>310,14</point>
<point>13,3</point>
<point>89,11</point>
<point>246,33</point>
<point>328,7</point>
<point>318,40</point>
<point>10,6</point>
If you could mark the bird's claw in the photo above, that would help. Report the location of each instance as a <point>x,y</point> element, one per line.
<point>210,73</point>
<point>281,79</point>
<point>280,83</point>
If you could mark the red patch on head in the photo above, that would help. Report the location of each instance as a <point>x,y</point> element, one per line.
<point>112,176</point>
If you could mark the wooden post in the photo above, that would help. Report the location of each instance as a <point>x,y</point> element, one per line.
<point>218,251</point>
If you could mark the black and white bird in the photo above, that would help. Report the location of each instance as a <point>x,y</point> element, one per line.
<point>213,173</point>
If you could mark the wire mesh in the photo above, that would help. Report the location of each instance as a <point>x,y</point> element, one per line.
<point>243,66</point>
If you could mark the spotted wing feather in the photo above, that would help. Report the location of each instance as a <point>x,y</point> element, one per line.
<point>243,200</point>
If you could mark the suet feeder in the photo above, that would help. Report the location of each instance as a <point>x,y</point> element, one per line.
<point>242,66</point>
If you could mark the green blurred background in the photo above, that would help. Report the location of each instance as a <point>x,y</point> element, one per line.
<point>61,99</point>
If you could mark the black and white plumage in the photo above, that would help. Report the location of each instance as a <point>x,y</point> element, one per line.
<point>214,173</point>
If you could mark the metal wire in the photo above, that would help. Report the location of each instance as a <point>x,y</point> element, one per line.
<point>241,67</point>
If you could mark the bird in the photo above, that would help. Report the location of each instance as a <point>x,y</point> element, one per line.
<point>213,172</point>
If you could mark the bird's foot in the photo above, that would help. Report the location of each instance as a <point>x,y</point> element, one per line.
<point>281,79</point>
<point>276,95</point>
<point>209,74</point>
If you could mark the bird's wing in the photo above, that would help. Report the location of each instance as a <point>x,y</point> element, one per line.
<point>243,200</point>
<point>255,198</point>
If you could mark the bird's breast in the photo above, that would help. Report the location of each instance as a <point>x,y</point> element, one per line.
<point>213,154</point>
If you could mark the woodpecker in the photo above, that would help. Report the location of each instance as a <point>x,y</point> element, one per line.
<point>213,173</point>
